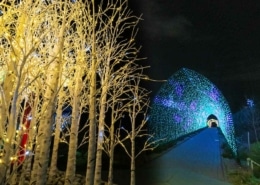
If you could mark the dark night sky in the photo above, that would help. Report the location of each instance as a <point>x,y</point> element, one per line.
<point>218,38</point>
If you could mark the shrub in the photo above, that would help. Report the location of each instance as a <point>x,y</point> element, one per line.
<point>243,177</point>
<point>256,172</point>
<point>254,152</point>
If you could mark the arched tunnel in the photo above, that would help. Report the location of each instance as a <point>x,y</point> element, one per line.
<point>212,121</point>
<point>188,101</point>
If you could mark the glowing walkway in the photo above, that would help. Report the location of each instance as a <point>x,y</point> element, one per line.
<point>197,161</point>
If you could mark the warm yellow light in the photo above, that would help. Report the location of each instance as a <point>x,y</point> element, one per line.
<point>13,158</point>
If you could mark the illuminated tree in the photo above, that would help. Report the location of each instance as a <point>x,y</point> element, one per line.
<point>114,54</point>
<point>123,111</point>
<point>22,35</point>
<point>117,108</point>
<point>62,120</point>
<point>113,60</point>
<point>78,83</point>
<point>29,149</point>
<point>183,105</point>
<point>90,6</point>
<point>56,54</point>
<point>57,132</point>
<point>61,14</point>
<point>137,112</point>
<point>33,37</point>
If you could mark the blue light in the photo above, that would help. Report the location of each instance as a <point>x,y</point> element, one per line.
<point>183,105</point>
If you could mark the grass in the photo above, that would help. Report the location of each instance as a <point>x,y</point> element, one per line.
<point>243,177</point>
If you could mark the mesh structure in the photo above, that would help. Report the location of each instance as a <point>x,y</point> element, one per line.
<point>183,105</point>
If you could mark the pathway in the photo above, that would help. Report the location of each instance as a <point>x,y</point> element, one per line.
<point>197,161</point>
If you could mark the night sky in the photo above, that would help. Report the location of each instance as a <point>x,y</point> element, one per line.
<point>218,38</point>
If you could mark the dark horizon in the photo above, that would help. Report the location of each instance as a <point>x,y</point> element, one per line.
<point>218,39</point>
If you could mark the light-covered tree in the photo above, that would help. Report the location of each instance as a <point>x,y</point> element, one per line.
<point>58,23</point>
<point>115,50</point>
<point>120,103</point>
<point>90,6</point>
<point>33,37</point>
<point>59,53</point>
<point>137,112</point>
<point>62,105</point>
<point>78,101</point>
<point>19,58</point>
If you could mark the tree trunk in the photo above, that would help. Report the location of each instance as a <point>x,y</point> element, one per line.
<point>92,129</point>
<point>26,169</point>
<point>12,125</point>
<point>111,152</point>
<point>101,125</point>
<point>111,168</point>
<point>100,141</point>
<point>36,160</point>
<point>73,143</point>
<point>46,123</point>
<point>44,137</point>
<point>133,160</point>
<point>54,157</point>
<point>92,108</point>
<point>49,103</point>
<point>36,157</point>
<point>132,181</point>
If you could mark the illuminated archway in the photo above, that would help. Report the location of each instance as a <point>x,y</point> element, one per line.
<point>184,104</point>
<point>212,121</point>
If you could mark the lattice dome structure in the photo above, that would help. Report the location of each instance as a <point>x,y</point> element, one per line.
<point>183,105</point>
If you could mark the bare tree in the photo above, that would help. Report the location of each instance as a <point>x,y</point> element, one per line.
<point>137,112</point>
<point>255,121</point>
<point>247,122</point>
<point>114,50</point>
<point>119,103</point>
<point>117,113</point>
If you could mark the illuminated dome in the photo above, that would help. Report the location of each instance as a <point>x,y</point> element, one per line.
<point>187,102</point>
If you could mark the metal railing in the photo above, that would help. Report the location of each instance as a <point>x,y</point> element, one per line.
<point>251,163</point>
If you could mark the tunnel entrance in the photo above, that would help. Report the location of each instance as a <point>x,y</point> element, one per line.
<point>214,124</point>
<point>212,121</point>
